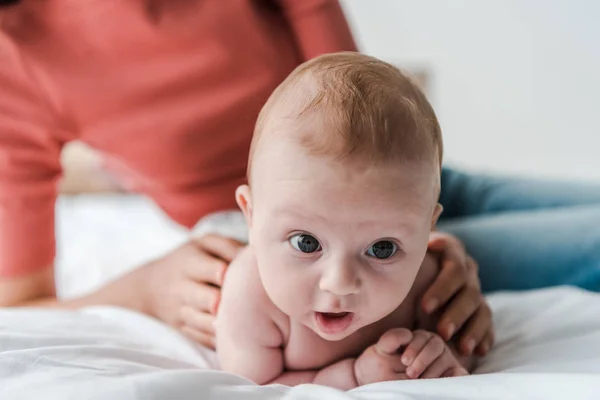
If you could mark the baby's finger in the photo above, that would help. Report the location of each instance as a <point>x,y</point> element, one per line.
<point>393,364</point>
<point>486,344</point>
<point>420,339</point>
<point>434,348</point>
<point>475,330</point>
<point>451,278</point>
<point>391,341</point>
<point>439,367</point>
<point>459,311</point>
<point>199,337</point>
<point>200,321</point>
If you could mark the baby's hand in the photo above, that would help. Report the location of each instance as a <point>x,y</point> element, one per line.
<point>428,356</point>
<point>382,361</point>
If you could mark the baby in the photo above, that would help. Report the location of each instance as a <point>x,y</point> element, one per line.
<point>344,177</point>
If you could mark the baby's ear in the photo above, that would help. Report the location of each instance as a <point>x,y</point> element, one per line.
<point>436,214</point>
<point>244,201</point>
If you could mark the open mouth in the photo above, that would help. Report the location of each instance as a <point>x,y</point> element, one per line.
<point>333,322</point>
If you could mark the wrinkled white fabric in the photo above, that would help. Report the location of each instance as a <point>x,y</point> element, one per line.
<point>548,341</point>
<point>548,347</point>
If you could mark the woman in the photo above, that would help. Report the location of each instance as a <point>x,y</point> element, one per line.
<point>168,91</point>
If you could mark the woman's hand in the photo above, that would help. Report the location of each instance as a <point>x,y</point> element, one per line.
<point>456,292</point>
<point>184,286</point>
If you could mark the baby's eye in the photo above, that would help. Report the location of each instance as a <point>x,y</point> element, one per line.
<point>305,243</point>
<point>382,249</point>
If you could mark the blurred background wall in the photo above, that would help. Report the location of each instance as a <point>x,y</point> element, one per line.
<point>516,84</point>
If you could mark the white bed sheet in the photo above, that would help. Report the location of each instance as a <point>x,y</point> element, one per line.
<point>548,342</point>
<point>548,347</point>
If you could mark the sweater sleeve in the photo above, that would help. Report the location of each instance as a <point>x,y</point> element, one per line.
<point>319,26</point>
<point>29,170</point>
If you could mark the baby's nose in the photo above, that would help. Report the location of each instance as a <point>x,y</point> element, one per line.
<point>340,279</point>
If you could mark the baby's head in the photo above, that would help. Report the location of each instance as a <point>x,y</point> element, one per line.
<point>344,178</point>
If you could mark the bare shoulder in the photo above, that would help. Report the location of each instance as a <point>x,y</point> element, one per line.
<point>242,280</point>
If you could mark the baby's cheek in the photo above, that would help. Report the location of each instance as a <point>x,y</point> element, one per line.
<point>391,291</point>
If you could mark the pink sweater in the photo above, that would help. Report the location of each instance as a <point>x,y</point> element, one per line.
<point>167,90</point>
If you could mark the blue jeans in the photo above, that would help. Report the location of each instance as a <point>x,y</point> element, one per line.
<point>525,233</point>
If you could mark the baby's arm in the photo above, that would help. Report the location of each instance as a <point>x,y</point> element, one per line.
<point>339,375</point>
<point>253,357</point>
<point>249,342</point>
<point>248,347</point>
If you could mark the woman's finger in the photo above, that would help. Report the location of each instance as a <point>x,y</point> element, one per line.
<point>457,269</point>
<point>475,330</point>
<point>460,309</point>
<point>219,246</point>
<point>441,242</point>
<point>200,321</point>
<point>202,338</point>
<point>201,296</point>
<point>486,344</point>
<point>203,267</point>
<point>473,268</point>
<point>452,277</point>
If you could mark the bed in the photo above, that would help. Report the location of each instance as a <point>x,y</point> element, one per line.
<point>548,341</point>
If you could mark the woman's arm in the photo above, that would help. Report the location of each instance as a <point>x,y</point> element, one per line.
<point>180,289</point>
<point>31,137</point>
<point>37,289</point>
<point>340,375</point>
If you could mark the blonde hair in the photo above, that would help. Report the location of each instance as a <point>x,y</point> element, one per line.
<point>348,105</point>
